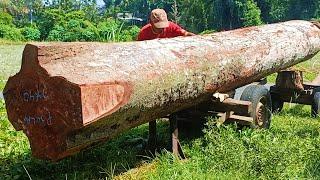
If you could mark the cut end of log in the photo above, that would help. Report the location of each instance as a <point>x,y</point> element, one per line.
<point>44,115</point>
<point>103,99</point>
<point>48,108</point>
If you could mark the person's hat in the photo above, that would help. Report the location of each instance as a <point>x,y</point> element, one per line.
<point>159,18</point>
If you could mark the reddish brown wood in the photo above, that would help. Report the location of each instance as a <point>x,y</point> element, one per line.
<point>69,96</point>
<point>175,143</point>
<point>229,104</point>
<point>290,79</point>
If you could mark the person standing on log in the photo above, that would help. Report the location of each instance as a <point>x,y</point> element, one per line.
<point>160,27</point>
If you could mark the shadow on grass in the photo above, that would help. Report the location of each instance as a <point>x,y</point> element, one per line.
<point>297,110</point>
<point>105,160</point>
<point>313,167</point>
<point>310,132</point>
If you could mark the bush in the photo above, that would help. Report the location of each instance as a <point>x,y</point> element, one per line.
<point>249,13</point>
<point>10,33</point>
<point>7,28</point>
<point>31,33</point>
<point>129,34</point>
<point>6,18</point>
<point>75,15</point>
<point>108,30</point>
<point>72,31</point>
<point>56,34</point>
<point>89,32</point>
<point>48,19</point>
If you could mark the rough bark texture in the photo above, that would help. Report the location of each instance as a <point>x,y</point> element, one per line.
<point>69,96</point>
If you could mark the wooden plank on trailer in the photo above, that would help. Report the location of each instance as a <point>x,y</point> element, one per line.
<point>229,104</point>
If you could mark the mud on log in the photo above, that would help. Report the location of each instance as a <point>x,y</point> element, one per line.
<point>69,96</point>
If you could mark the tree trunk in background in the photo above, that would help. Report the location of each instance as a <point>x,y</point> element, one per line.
<point>69,96</point>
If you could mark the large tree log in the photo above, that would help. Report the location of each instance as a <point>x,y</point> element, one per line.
<point>68,96</point>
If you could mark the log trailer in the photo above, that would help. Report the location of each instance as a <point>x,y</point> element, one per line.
<point>70,96</point>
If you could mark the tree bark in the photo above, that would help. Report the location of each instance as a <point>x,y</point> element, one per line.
<point>69,96</point>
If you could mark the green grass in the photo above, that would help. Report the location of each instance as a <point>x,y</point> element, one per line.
<point>288,150</point>
<point>10,42</point>
<point>10,61</point>
<point>108,159</point>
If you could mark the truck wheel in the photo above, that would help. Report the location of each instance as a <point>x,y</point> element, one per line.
<point>315,106</point>
<point>260,98</point>
<point>277,104</point>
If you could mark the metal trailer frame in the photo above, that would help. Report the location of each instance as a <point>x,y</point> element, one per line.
<point>300,93</point>
<point>230,109</point>
<point>224,106</point>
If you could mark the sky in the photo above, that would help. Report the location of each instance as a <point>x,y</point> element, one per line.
<point>100,2</point>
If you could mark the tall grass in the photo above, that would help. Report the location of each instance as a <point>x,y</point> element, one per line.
<point>290,149</point>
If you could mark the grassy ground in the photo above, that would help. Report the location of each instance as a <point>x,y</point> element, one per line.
<point>10,60</point>
<point>289,149</point>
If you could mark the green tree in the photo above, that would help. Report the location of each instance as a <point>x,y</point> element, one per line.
<point>56,34</point>
<point>299,9</point>
<point>4,5</point>
<point>6,18</point>
<point>195,15</point>
<point>249,13</point>
<point>47,19</point>
<point>7,29</point>
<point>66,5</point>
<point>31,33</point>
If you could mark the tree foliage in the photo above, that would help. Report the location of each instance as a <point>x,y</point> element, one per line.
<point>84,20</point>
<point>31,33</point>
<point>7,28</point>
<point>249,13</point>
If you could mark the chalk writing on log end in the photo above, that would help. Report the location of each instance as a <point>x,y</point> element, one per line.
<point>38,119</point>
<point>34,95</point>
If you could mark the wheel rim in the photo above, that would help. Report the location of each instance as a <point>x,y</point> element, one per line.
<point>261,113</point>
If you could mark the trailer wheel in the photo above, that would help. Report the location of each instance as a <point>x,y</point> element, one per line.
<point>315,106</point>
<point>277,104</point>
<point>260,98</point>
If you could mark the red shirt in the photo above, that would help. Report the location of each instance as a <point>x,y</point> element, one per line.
<point>173,30</point>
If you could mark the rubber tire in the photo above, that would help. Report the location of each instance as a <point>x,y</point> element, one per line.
<point>277,104</point>
<point>256,94</point>
<point>315,106</point>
